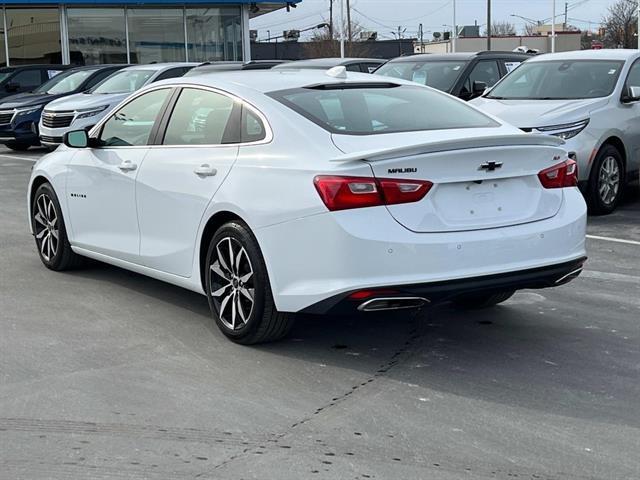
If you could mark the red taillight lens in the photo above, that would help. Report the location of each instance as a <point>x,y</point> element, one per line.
<point>342,193</point>
<point>563,175</point>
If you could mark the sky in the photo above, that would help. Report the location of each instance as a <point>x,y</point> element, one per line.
<point>384,16</point>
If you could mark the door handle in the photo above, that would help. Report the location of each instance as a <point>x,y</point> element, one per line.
<point>205,170</point>
<point>127,166</point>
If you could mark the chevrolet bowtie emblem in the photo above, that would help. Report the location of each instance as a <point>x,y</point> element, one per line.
<point>490,166</point>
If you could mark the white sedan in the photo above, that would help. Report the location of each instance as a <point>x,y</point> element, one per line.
<point>274,193</point>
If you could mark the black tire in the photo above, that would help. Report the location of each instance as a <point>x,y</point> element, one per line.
<point>476,301</point>
<point>600,203</point>
<point>248,274</point>
<point>17,146</point>
<point>56,254</point>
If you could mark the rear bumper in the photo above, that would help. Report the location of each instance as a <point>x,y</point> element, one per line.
<point>323,256</point>
<point>438,292</point>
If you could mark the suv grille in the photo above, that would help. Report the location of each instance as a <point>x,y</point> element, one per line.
<point>57,119</point>
<point>6,116</point>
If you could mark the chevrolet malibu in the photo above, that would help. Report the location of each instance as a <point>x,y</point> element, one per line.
<point>280,192</point>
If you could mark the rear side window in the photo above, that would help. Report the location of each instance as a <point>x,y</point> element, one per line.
<point>172,73</point>
<point>381,108</point>
<point>28,78</point>
<point>253,130</point>
<point>201,117</point>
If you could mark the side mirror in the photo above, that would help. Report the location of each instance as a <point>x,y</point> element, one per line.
<point>12,87</point>
<point>478,88</point>
<point>632,94</point>
<point>76,139</point>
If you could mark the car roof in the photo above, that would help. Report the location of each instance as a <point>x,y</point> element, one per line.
<point>265,81</point>
<point>97,67</point>
<point>327,62</point>
<point>604,54</point>
<point>161,66</point>
<point>460,56</point>
<point>43,65</point>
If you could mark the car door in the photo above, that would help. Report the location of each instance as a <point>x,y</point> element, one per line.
<point>196,148</point>
<point>101,179</point>
<point>629,113</point>
<point>486,71</point>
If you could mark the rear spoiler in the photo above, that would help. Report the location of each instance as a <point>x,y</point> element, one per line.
<point>524,139</point>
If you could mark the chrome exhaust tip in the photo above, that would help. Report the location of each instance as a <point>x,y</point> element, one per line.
<point>392,303</point>
<point>569,276</point>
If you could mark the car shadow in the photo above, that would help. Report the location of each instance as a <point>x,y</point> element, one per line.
<point>532,352</point>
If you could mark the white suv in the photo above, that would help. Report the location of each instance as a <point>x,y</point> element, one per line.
<point>590,99</point>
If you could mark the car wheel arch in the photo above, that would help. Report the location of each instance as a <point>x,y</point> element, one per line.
<point>212,225</point>
<point>35,184</point>
<point>618,144</point>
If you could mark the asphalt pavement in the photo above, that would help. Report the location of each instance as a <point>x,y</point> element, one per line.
<point>106,374</point>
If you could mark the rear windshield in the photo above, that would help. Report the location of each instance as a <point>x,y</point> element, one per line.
<point>386,108</point>
<point>437,74</point>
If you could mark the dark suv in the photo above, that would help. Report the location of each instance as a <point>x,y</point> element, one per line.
<point>20,113</point>
<point>465,75</point>
<point>25,78</point>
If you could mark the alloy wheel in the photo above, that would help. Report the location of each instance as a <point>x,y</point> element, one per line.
<point>232,283</point>
<point>46,227</point>
<point>609,180</point>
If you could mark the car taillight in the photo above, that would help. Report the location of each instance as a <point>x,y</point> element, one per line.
<point>562,175</point>
<point>342,193</point>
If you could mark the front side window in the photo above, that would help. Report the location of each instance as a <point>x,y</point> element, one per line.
<point>559,80</point>
<point>381,108</point>
<point>65,82</point>
<point>133,123</point>
<point>633,78</point>
<point>437,74</point>
<point>202,117</point>
<point>124,81</point>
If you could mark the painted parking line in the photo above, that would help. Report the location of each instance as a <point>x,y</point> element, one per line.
<point>16,157</point>
<point>615,240</point>
<point>609,276</point>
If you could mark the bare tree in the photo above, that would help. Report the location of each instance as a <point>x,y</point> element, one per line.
<point>531,30</point>
<point>502,29</point>
<point>621,24</point>
<point>323,44</point>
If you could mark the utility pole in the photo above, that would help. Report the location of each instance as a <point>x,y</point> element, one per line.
<point>421,35</point>
<point>638,24</point>
<point>331,19</point>
<point>488,24</point>
<point>341,28</point>
<point>455,28</point>
<point>553,27</point>
<point>349,38</point>
<point>566,19</point>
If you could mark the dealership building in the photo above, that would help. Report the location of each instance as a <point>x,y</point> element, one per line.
<point>87,32</point>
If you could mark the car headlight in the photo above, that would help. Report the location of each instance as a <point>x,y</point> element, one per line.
<point>28,110</point>
<point>92,112</point>
<point>566,130</point>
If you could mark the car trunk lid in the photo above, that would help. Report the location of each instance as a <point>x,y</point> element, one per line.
<point>479,181</point>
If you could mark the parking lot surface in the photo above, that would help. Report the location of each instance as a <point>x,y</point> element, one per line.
<point>108,374</point>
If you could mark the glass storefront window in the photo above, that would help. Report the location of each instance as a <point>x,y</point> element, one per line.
<point>3,56</point>
<point>156,35</point>
<point>214,34</point>
<point>34,35</point>
<point>97,35</point>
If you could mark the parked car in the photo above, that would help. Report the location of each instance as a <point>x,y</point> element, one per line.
<point>465,75</point>
<point>20,114</point>
<point>209,67</point>
<point>591,100</point>
<point>389,207</point>
<point>84,110</point>
<point>365,65</point>
<point>25,78</point>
